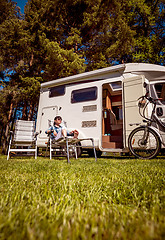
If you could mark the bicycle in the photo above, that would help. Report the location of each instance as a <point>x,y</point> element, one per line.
<point>145,141</point>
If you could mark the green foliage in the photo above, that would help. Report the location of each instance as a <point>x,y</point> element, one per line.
<point>66,62</point>
<point>108,199</point>
<point>8,9</point>
<point>123,31</point>
<point>13,44</point>
<point>30,88</point>
<point>101,33</point>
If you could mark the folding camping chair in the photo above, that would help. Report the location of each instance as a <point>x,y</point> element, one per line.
<point>68,145</point>
<point>23,138</point>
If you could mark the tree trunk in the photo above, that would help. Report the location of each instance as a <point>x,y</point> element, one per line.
<point>4,147</point>
<point>2,130</point>
<point>31,60</point>
<point>76,48</point>
<point>24,114</point>
<point>30,112</point>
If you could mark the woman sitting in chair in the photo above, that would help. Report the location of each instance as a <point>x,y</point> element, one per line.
<point>57,131</point>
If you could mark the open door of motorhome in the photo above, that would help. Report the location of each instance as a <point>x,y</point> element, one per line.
<point>133,88</point>
<point>112,117</point>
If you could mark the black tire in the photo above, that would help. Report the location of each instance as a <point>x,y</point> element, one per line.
<point>98,153</point>
<point>79,150</point>
<point>91,153</point>
<point>146,150</point>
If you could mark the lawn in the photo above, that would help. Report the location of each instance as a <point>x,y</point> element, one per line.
<point>113,198</point>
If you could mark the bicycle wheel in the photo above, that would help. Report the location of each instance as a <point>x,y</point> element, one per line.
<point>144,143</point>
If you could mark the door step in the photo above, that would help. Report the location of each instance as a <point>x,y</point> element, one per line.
<point>112,139</point>
<point>112,145</point>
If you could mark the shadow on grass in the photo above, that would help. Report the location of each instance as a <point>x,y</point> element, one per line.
<point>114,156</point>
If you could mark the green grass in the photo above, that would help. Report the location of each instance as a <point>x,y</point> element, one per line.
<point>108,199</point>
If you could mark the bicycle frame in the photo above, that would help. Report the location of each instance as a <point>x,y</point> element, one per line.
<point>153,119</point>
<point>157,132</point>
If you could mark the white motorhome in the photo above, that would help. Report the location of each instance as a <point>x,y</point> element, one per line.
<point>101,104</point>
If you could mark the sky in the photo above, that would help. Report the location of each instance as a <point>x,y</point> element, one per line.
<point>21,4</point>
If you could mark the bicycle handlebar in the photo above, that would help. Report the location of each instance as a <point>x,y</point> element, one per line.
<point>150,99</point>
<point>143,104</point>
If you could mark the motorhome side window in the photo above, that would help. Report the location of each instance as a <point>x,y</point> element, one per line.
<point>116,86</point>
<point>160,90</point>
<point>56,91</point>
<point>83,95</point>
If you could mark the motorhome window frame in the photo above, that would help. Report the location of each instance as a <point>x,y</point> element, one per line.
<point>63,87</point>
<point>115,89</point>
<point>153,91</point>
<point>161,101</point>
<point>82,90</point>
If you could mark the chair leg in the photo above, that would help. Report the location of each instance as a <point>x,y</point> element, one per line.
<point>47,144</point>
<point>75,150</point>
<point>8,154</point>
<point>50,149</point>
<point>67,150</point>
<point>36,152</point>
<point>94,150</point>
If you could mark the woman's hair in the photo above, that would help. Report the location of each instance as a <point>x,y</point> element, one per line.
<point>58,117</point>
